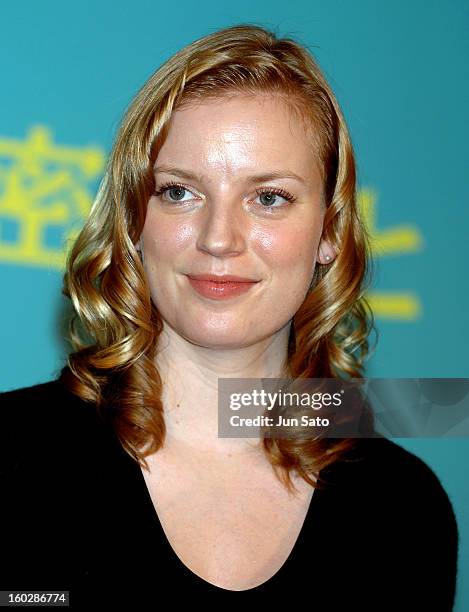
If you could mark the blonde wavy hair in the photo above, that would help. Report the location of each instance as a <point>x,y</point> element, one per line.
<point>115,325</point>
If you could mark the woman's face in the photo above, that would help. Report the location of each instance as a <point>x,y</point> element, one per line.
<point>217,222</point>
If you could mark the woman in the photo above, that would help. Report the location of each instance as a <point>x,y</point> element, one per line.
<point>225,242</point>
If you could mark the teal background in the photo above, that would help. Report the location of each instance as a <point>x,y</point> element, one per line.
<point>400,71</point>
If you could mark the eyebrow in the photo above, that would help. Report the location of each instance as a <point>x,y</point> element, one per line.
<point>255,178</point>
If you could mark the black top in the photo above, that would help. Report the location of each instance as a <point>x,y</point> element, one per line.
<point>76,515</point>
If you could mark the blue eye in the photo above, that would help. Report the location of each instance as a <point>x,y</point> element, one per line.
<point>269,203</point>
<point>175,187</point>
<point>275,192</point>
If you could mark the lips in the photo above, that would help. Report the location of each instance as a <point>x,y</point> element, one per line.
<point>220,287</point>
<point>223,278</point>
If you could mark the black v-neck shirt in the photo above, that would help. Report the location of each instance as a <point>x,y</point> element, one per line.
<point>76,515</point>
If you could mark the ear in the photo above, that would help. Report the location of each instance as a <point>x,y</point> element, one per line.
<point>326,254</point>
<point>138,245</point>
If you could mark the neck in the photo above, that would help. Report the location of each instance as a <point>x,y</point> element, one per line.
<point>190,376</point>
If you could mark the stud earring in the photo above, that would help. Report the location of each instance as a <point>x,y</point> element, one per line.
<point>328,257</point>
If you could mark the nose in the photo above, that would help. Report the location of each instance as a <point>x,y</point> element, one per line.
<point>223,230</point>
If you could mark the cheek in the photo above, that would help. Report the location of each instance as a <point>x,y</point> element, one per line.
<point>164,237</point>
<point>290,249</point>
<point>289,253</point>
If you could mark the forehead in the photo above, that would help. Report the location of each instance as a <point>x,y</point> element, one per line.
<point>226,134</point>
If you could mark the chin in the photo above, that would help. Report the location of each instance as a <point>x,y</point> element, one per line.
<point>220,341</point>
<point>213,338</point>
